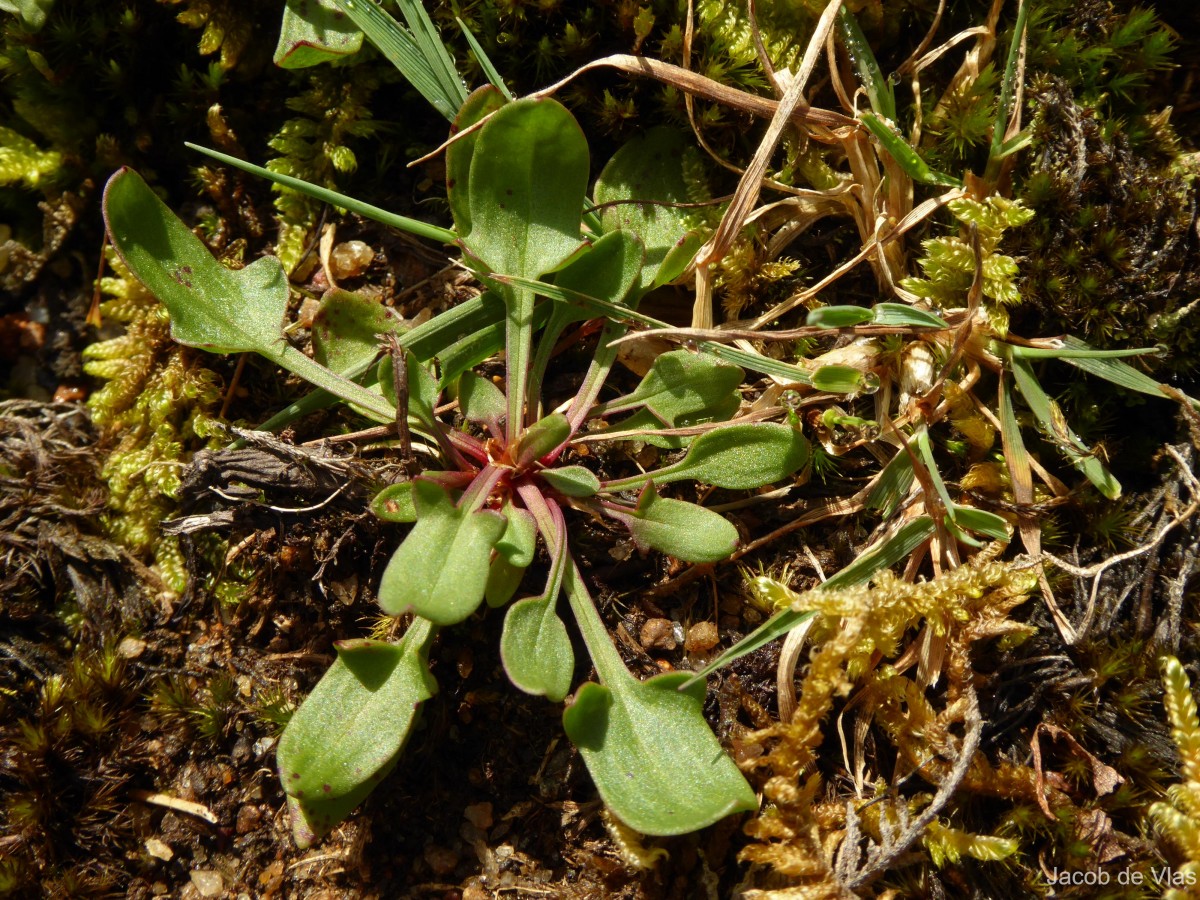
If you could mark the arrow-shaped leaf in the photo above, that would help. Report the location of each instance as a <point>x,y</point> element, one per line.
<point>655,761</point>
<point>684,530</point>
<point>738,457</point>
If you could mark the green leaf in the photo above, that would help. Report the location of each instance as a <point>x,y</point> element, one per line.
<point>32,13</point>
<point>840,379</point>
<point>324,195</point>
<point>1056,428</point>
<point>514,553</point>
<point>879,89</point>
<point>212,307</point>
<point>519,542</point>
<point>607,269</point>
<point>1121,374</point>
<point>838,317</point>
<point>893,485</point>
<point>422,389</point>
<point>771,630</point>
<point>679,257</point>
<point>684,530</point>
<point>536,649</point>
<point>681,385</point>
<point>419,54</point>
<point>541,438</point>
<point>904,316</point>
<point>480,344</point>
<point>906,157</point>
<point>891,549</point>
<point>981,522</point>
<point>502,581</point>
<point>479,399</point>
<point>441,569</point>
<point>527,183</point>
<point>738,457</point>
<point>648,424</point>
<point>1008,85</point>
<point>756,362</point>
<point>655,762</point>
<point>350,729</point>
<point>572,481</point>
<point>485,62</point>
<point>315,31</point>
<point>641,180</point>
<point>528,176</point>
<point>481,102</point>
<point>424,341</point>
<point>395,503</point>
<point>345,329</point>
<point>534,646</point>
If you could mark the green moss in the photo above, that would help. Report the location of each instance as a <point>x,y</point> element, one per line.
<point>949,262</point>
<point>333,109</point>
<point>157,407</point>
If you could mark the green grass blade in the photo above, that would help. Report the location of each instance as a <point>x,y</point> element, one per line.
<point>411,54</point>
<point>1111,369</point>
<point>485,62</point>
<point>886,553</point>
<point>401,223</point>
<point>619,313</point>
<point>879,90</point>
<point>1050,417</point>
<point>429,41</point>
<point>906,157</point>
<point>1008,87</point>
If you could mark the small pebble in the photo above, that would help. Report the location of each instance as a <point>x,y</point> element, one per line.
<point>479,815</point>
<point>248,819</point>
<point>701,638</point>
<point>350,259</point>
<point>208,882</point>
<point>159,850</point>
<point>658,634</point>
<point>441,859</point>
<point>131,647</point>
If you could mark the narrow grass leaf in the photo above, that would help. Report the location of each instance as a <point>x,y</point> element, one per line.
<point>906,157</point>
<point>889,551</point>
<point>1056,428</point>
<point>485,63</point>
<point>342,201</point>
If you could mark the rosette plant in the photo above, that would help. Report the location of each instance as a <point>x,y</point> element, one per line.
<point>505,480</point>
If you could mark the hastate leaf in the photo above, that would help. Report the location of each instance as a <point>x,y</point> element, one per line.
<point>683,530</point>
<point>211,307</point>
<point>655,761</point>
